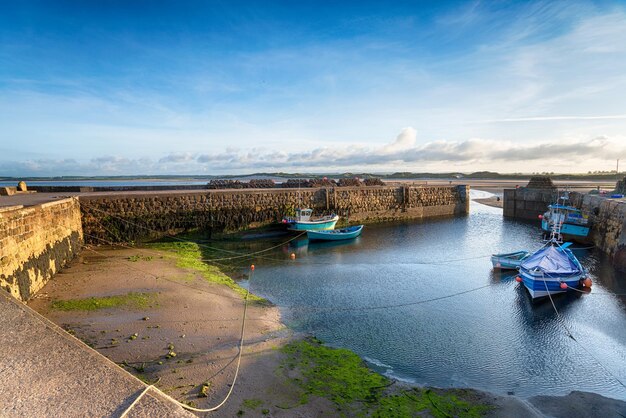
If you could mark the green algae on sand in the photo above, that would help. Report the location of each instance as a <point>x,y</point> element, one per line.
<point>189,256</point>
<point>130,300</point>
<point>342,377</point>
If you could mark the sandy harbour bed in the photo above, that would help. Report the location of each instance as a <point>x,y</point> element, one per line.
<point>199,322</point>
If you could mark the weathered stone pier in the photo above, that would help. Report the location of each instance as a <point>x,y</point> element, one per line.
<point>141,215</point>
<point>42,233</point>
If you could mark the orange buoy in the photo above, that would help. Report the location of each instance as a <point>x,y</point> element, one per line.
<point>252,267</point>
<point>293,256</point>
<point>563,285</point>
<point>587,282</point>
<point>518,279</point>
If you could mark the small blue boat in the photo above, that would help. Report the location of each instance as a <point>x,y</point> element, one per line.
<point>509,261</point>
<point>336,234</point>
<point>550,270</point>
<point>304,222</point>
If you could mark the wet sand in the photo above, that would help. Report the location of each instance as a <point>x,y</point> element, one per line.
<point>494,201</point>
<point>200,322</point>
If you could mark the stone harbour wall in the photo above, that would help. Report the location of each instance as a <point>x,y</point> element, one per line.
<point>35,243</point>
<point>525,203</point>
<point>141,216</point>
<point>609,225</point>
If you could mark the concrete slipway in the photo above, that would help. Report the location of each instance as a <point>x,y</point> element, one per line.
<point>46,372</point>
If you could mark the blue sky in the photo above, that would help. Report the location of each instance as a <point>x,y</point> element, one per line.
<point>118,87</point>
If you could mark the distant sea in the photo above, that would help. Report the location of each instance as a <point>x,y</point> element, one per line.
<point>128,182</point>
<point>108,183</point>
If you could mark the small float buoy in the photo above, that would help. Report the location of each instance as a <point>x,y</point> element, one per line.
<point>540,216</point>
<point>587,282</point>
<point>563,285</point>
<point>293,256</point>
<point>252,267</point>
<point>518,279</point>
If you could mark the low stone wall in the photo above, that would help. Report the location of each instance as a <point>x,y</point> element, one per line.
<point>525,203</point>
<point>35,242</point>
<point>140,216</point>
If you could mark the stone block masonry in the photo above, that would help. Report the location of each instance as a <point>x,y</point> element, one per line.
<point>609,224</point>
<point>35,242</point>
<point>525,203</point>
<point>127,217</point>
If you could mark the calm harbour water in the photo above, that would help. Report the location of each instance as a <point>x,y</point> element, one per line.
<point>492,338</point>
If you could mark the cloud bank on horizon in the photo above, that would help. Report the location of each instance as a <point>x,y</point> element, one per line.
<point>212,88</point>
<point>403,152</point>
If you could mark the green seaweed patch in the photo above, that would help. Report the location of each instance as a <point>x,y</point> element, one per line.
<point>342,377</point>
<point>439,405</point>
<point>187,278</point>
<point>204,390</point>
<point>336,374</point>
<point>189,256</point>
<point>129,300</point>
<point>252,403</point>
<point>139,257</point>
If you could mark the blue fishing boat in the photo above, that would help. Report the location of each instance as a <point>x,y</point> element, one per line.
<point>572,222</point>
<point>303,221</point>
<point>335,234</point>
<point>509,261</point>
<point>550,270</point>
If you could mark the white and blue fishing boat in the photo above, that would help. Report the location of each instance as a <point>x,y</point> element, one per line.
<point>552,269</point>
<point>573,223</point>
<point>335,234</point>
<point>509,261</point>
<point>303,221</point>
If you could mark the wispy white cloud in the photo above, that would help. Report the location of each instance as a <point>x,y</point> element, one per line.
<point>405,140</point>
<point>178,158</point>
<point>552,118</point>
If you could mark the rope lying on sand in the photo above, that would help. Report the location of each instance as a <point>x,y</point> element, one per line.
<point>232,386</point>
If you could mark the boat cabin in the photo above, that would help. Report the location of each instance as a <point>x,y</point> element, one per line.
<point>304,215</point>
<point>562,214</point>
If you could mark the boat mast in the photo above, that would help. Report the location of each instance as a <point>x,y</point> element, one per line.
<point>555,233</point>
<point>559,218</point>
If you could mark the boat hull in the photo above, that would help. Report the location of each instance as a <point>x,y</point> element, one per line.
<point>510,261</point>
<point>568,231</point>
<point>538,288</point>
<point>335,235</point>
<point>547,269</point>
<point>318,225</point>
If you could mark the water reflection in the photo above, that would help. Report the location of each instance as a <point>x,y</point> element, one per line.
<point>502,276</point>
